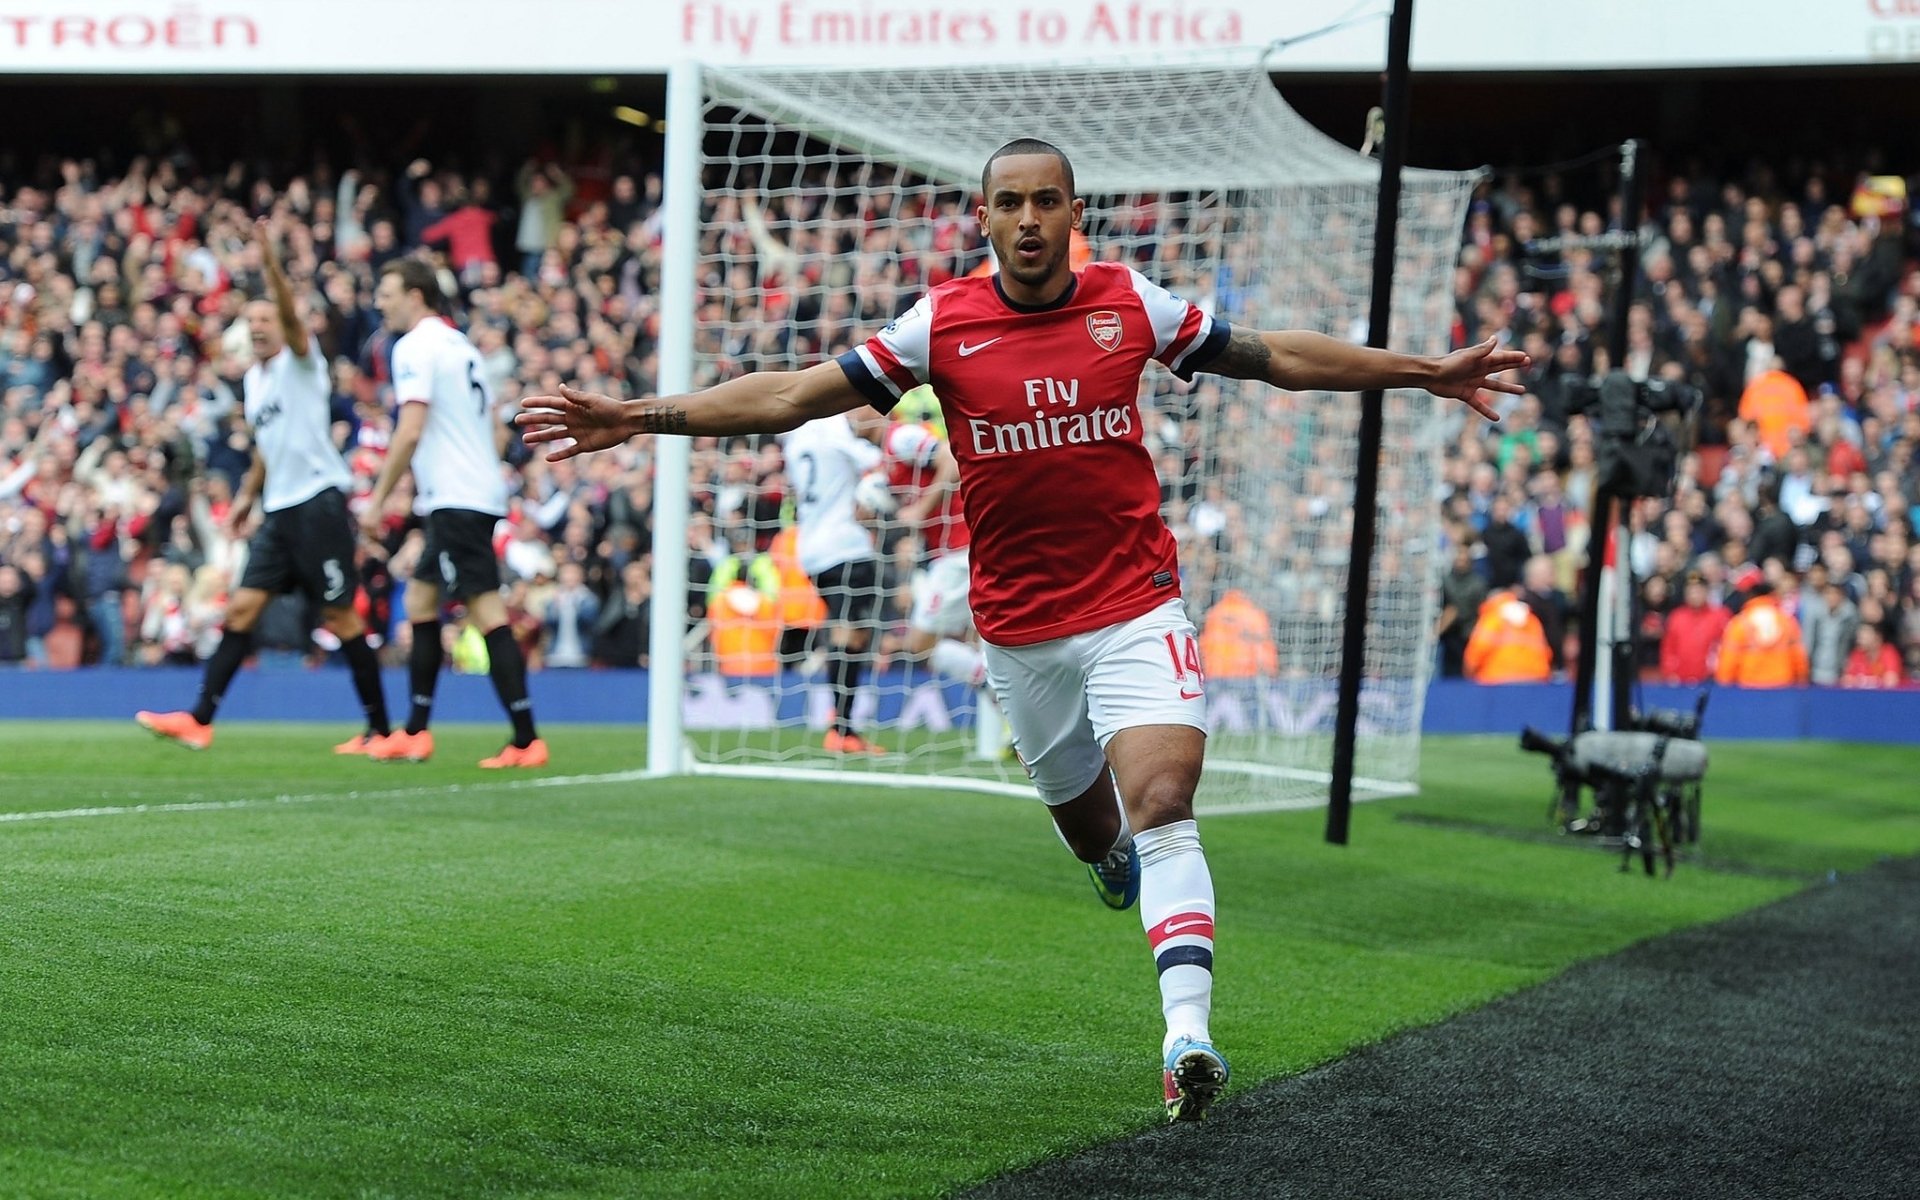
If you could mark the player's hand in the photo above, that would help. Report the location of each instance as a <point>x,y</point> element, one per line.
<point>235,523</point>
<point>372,518</point>
<point>266,231</point>
<point>572,423</point>
<point>1464,374</point>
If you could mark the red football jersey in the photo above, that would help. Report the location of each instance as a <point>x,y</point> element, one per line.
<point>1056,481</point>
<point>912,453</point>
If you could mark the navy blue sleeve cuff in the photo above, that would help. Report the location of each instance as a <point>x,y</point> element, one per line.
<point>1208,350</point>
<point>863,382</point>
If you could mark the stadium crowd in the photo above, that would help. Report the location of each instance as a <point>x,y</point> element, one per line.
<point>1790,301</point>
<point>1786,554</point>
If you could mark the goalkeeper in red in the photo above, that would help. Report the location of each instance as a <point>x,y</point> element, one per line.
<point>1075,588</point>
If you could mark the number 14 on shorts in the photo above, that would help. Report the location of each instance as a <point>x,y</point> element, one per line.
<point>1187,673</point>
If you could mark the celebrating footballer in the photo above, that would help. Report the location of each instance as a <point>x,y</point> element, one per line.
<point>1075,588</point>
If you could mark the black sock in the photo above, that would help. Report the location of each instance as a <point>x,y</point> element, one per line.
<point>508,669</point>
<point>845,669</point>
<point>234,647</point>
<point>366,682</point>
<point>423,672</point>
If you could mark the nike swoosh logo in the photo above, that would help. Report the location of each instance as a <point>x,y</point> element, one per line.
<point>1172,929</point>
<point>966,350</point>
<point>1187,695</point>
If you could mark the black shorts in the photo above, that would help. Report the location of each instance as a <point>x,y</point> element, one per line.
<point>851,591</point>
<point>306,548</point>
<point>459,553</point>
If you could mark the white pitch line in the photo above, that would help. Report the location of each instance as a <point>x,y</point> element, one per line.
<point>118,810</point>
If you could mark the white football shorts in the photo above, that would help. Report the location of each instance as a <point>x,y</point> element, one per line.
<point>1064,699</point>
<point>940,597</point>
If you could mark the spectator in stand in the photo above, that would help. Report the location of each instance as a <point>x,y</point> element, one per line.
<point>1507,548</point>
<point>620,634</point>
<point>48,589</point>
<point>1549,604</point>
<point>468,233</point>
<point>570,614</point>
<point>1872,663</point>
<point>544,193</point>
<point>16,596</point>
<point>1774,534</point>
<point>1762,647</point>
<point>168,630</point>
<point>1828,620</point>
<point>1462,590</point>
<point>1692,634</point>
<point>1651,630</point>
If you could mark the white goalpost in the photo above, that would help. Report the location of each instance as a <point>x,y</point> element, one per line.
<point>807,207</point>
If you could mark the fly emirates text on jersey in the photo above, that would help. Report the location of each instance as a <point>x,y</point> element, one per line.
<point>1044,430</point>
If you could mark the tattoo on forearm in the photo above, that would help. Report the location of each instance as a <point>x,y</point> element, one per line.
<point>667,418</point>
<point>1245,357</point>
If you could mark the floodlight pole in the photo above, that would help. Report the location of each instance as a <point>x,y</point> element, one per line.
<point>672,454</point>
<point>1366,482</point>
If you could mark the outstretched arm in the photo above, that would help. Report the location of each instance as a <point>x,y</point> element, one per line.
<point>577,422</point>
<point>291,327</point>
<point>1311,362</point>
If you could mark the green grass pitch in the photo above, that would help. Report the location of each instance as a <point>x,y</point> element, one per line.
<point>329,977</point>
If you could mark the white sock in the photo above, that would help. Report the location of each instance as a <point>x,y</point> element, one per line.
<point>1176,907</point>
<point>958,660</point>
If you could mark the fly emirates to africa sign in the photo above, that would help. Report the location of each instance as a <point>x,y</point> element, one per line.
<point>753,31</point>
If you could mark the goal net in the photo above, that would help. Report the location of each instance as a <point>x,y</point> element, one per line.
<point>834,198</point>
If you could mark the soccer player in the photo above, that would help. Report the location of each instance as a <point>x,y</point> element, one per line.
<point>305,542</point>
<point>826,459</point>
<point>448,435</point>
<point>1076,592</point>
<point>919,462</point>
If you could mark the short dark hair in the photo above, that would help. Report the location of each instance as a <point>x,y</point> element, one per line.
<point>1026,145</point>
<point>417,275</point>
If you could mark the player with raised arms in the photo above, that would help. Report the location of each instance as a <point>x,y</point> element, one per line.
<point>446,433</point>
<point>1076,591</point>
<point>305,541</point>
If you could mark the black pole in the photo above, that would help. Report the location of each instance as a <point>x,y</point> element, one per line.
<point>1602,518</point>
<point>1366,481</point>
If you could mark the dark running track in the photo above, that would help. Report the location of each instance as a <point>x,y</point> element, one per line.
<point>1776,1054</point>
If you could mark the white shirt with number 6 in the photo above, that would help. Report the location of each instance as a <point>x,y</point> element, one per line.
<point>457,464</point>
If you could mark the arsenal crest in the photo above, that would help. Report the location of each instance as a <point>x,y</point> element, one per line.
<point>1105,328</point>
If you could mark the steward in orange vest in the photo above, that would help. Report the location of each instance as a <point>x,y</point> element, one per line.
<point>798,604</point>
<point>1508,643</point>
<point>1236,641</point>
<point>1763,646</point>
<point>745,632</point>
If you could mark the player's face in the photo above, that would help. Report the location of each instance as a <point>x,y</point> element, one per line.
<point>1030,218</point>
<point>263,327</point>
<point>395,304</point>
